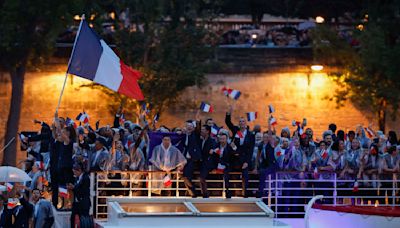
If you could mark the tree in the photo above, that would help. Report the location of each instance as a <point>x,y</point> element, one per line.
<point>28,30</point>
<point>167,43</point>
<point>368,70</point>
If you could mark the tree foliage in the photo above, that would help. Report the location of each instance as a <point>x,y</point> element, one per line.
<point>166,41</point>
<point>367,73</point>
<point>28,30</point>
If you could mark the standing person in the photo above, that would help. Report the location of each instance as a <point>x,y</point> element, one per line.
<point>100,156</point>
<point>245,140</point>
<point>165,157</point>
<point>81,203</point>
<point>192,153</point>
<point>5,213</point>
<point>210,159</point>
<point>43,213</point>
<point>65,138</point>
<point>268,165</point>
<point>22,213</point>
<point>332,127</point>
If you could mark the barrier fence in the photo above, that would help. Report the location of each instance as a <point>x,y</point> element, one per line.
<point>284,194</point>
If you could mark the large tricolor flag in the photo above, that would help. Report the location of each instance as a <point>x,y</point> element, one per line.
<point>93,59</point>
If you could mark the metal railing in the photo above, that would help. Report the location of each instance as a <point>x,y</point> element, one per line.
<point>286,196</point>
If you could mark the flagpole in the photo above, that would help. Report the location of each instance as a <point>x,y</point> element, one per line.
<point>69,62</point>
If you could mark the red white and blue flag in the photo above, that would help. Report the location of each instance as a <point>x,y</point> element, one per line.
<point>70,122</point>
<point>167,181</point>
<point>214,130</point>
<point>83,117</point>
<point>9,186</point>
<point>251,116</point>
<point>40,164</point>
<point>234,94</point>
<point>122,119</point>
<point>12,202</point>
<point>220,168</point>
<point>63,191</point>
<point>271,109</point>
<point>370,133</point>
<point>206,107</point>
<point>273,121</point>
<point>93,59</point>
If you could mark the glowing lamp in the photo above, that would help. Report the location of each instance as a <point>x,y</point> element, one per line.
<point>319,19</point>
<point>317,67</point>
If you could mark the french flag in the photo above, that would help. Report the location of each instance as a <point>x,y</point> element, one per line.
<point>251,116</point>
<point>40,164</point>
<point>214,130</point>
<point>271,109</point>
<point>235,94</point>
<point>93,59</point>
<point>12,202</point>
<point>83,117</point>
<point>9,186</point>
<point>220,168</point>
<point>156,117</point>
<point>63,192</point>
<point>167,181</point>
<point>226,91</point>
<point>70,122</point>
<point>370,133</point>
<point>206,107</point>
<point>273,121</point>
<point>122,119</point>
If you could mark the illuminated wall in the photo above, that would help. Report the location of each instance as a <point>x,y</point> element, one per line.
<point>293,96</point>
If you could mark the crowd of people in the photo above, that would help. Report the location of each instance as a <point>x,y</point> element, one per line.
<point>62,154</point>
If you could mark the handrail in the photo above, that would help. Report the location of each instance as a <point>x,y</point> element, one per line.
<point>275,187</point>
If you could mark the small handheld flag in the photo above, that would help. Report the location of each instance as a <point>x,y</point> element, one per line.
<point>12,202</point>
<point>251,116</point>
<point>214,130</point>
<point>156,117</point>
<point>63,191</point>
<point>273,121</point>
<point>83,117</point>
<point>167,181</point>
<point>122,119</point>
<point>355,186</point>
<point>271,109</point>
<point>220,168</point>
<point>206,107</point>
<point>40,164</point>
<point>316,174</point>
<point>370,133</point>
<point>9,186</point>
<point>70,122</point>
<point>234,94</point>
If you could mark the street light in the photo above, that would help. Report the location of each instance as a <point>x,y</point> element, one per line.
<point>319,19</point>
<point>317,67</point>
<point>254,36</point>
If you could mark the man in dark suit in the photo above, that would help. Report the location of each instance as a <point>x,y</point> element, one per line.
<point>192,153</point>
<point>266,158</point>
<point>207,145</point>
<point>81,189</point>
<point>219,158</point>
<point>244,139</point>
<point>22,214</point>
